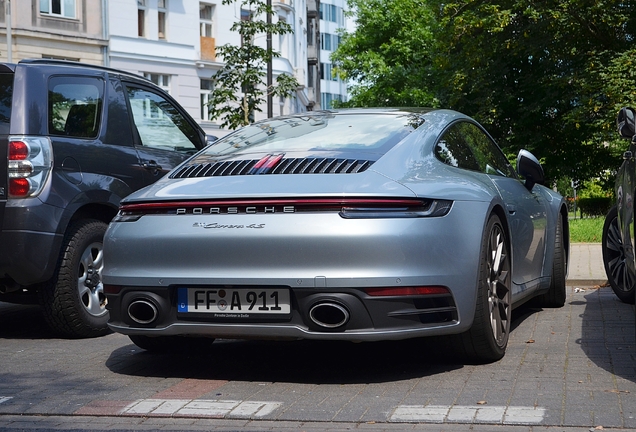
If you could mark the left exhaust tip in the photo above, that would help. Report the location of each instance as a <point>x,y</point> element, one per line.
<point>142,311</point>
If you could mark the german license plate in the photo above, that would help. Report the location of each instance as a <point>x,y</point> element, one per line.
<point>239,303</point>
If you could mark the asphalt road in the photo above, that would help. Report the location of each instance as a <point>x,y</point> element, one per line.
<point>565,369</point>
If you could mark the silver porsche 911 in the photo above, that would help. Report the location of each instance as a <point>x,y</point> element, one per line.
<point>357,225</point>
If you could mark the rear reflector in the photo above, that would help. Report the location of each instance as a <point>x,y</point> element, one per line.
<point>406,291</point>
<point>112,289</point>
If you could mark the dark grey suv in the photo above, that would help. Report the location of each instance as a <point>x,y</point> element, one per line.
<point>77,139</point>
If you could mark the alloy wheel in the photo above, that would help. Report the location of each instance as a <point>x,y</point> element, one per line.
<point>498,286</point>
<point>91,289</point>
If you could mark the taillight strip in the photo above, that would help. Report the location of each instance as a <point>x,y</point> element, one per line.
<point>316,202</point>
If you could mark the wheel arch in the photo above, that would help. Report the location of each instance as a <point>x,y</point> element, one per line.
<point>563,214</point>
<point>100,211</point>
<point>498,210</point>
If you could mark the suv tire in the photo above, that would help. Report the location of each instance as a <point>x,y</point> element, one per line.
<point>73,301</point>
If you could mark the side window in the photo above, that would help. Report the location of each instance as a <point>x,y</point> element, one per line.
<point>159,123</point>
<point>452,149</point>
<point>75,106</point>
<point>466,146</point>
<point>6,98</point>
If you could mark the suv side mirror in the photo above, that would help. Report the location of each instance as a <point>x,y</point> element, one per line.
<point>529,168</point>
<point>626,122</point>
<point>210,139</point>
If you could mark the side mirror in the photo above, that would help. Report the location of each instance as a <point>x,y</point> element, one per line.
<point>210,139</point>
<point>626,122</point>
<point>529,168</point>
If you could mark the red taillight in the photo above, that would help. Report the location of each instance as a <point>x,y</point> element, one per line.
<point>406,291</point>
<point>18,150</point>
<point>30,160</point>
<point>19,187</point>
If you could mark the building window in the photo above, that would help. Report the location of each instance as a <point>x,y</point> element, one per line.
<point>329,12</point>
<point>283,41</point>
<point>160,80</point>
<point>53,57</point>
<point>206,12</point>
<point>162,9</point>
<point>246,15</point>
<point>206,88</point>
<point>326,72</point>
<point>326,99</point>
<point>61,8</point>
<point>329,41</point>
<point>141,18</point>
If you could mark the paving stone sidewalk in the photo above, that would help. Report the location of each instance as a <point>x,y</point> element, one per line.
<point>569,369</point>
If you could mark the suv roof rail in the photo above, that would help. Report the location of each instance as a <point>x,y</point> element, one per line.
<point>79,64</point>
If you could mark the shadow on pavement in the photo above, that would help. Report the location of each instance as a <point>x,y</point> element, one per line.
<point>312,362</point>
<point>304,361</point>
<point>23,322</point>
<point>608,333</point>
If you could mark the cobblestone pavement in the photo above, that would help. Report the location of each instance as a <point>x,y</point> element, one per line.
<point>567,369</point>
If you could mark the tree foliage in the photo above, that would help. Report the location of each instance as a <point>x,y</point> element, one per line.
<point>388,57</point>
<point>546,76</point>
<point>238,87</point>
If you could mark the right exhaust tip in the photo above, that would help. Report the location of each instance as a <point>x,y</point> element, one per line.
<point>329,315</point>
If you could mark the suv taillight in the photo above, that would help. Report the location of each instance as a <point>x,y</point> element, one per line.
<point>30,162</point>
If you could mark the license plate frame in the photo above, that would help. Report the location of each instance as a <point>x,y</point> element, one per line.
<point>234,302</point>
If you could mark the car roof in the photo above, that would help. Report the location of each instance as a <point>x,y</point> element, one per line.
<point>71,64</point>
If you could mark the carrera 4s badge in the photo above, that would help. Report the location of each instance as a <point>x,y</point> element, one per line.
<point>221,226</point>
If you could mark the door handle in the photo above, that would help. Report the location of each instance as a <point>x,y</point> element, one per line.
<point>152,166</point>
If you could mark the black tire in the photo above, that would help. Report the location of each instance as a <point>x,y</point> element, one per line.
<point>555,297</point>
<point>487,339</point>
<point>73,301</point>
<point>619,275</point>
<point>172,344</point>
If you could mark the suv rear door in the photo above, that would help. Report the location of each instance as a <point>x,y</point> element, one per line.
<point>92,147</point>
<point>163,133</point>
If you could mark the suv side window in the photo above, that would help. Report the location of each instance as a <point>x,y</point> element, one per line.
<point>466,146</point>
<point>75,106</point>
<point>6,98</point>
<point>159,123</point>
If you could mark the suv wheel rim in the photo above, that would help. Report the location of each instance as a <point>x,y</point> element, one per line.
<point>91,289</point>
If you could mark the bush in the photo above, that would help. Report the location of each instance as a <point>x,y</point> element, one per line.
<point>594,206</point>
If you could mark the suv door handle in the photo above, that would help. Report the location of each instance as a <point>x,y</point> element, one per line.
<point>152,166</point>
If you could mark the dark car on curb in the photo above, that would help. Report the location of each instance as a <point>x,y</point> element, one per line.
<point>618,230</point>
<point>76,139</point>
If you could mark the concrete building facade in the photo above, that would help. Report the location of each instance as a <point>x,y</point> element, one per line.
<point>61,29</point>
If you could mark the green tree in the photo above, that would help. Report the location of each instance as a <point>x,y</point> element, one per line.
<point>238,89</point>
<point>388,56</point>
<point>546,76</point>
<point>533,72</point>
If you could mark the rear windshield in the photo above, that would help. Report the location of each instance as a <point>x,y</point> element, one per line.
<point>6,94</point>
<point>357,133</point>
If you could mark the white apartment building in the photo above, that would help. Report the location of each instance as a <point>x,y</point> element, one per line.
<point>172,42</point>
<point>332,19</point>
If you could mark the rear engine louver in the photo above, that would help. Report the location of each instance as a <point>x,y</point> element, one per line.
<point>284,166</point>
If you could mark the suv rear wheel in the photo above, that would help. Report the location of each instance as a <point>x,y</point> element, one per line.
<point>73,301</point>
